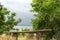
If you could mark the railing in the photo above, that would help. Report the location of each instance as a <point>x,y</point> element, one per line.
<point>37,36</point>
<point>29,35</point>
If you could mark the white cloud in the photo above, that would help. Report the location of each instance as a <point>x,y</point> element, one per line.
<point>17,5</point>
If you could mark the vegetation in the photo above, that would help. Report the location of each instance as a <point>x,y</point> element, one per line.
<point>28,35</point>
<point>24,30</point>
<point>7,20</point>
<point>47,15</point>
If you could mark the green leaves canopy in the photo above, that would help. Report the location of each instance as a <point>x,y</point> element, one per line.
<point>48,14</point>
<point>7,20</point>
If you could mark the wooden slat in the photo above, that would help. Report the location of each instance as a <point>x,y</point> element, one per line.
<point>37,32</point>
<point>44,30</point>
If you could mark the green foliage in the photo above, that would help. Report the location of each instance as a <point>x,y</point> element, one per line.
<point>25,30</point>
<point>28,35</point>
<point>7,20</point>
<point>47,14</point>
<point>16,29</point>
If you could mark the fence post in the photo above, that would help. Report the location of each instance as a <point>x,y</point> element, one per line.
<point>37,36</point>
<point>15,35</point>
<point>58,35</point>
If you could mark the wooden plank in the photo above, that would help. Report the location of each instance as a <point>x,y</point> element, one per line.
<point>15,36</point>
<point>44,30</point>
<point>37,33</point>
<point>37,36</point>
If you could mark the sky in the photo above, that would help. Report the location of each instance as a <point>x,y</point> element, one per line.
<point>22,8</point>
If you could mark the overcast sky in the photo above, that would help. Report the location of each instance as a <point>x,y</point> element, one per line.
<point>21,7</point>
<point>17,5</point>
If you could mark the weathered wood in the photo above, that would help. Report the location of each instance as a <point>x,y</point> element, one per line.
<point>35,31</point>
<point>15,33</point>
<point>37,36</point>
<point>58,35</point>
<point>15,36</point>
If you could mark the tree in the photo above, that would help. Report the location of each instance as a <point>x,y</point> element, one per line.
<point>47,15</point>
<point>7,20</point>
